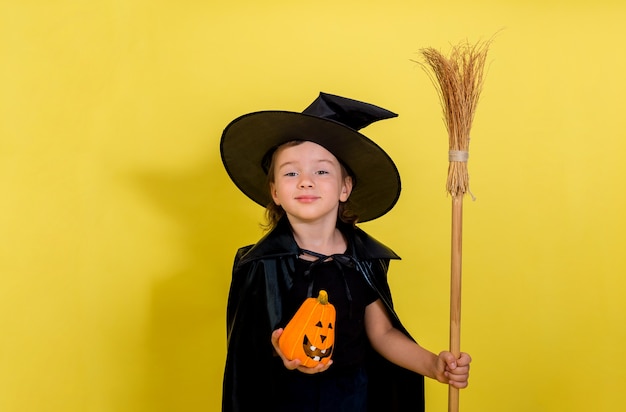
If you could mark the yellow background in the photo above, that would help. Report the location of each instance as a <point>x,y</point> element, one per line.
<point>118,224</point>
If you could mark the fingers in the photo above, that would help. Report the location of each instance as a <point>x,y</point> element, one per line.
<point>275,336</point>
<point>459,377</point>
<point>456,370</point>
<point>296,363</point>
<point>450,360</point>
<point>320,367</point>
<point>459,384</point>
<point>464,360</point>
<point>289,364</point>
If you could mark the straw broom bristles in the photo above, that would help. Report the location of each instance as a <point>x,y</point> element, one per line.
<point>458,80</point>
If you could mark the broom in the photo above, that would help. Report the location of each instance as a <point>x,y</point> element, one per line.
<point>458,80</point>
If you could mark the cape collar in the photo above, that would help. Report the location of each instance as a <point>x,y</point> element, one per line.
<point>280,242</point>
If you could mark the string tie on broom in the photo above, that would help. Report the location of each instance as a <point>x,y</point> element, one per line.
<point>458,156</point>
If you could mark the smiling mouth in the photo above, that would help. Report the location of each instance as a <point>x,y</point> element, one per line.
<point>313,352</point>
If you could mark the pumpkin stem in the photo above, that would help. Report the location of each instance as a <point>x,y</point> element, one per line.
<point>323,297</point>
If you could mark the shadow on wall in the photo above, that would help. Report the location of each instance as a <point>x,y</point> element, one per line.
<point>186,336</point>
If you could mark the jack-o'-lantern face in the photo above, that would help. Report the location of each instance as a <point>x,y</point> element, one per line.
<point>310,334</point>
<point>320,334</point>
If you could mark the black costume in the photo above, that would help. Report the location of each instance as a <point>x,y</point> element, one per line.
<point>260,283</point>
<point>266,275</point>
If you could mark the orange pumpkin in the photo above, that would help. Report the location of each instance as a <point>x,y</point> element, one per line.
<point>310,334</point>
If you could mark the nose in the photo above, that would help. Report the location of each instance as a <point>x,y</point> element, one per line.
<point>306,182</point>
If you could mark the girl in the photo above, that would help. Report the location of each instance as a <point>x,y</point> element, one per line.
<point>318,175</point>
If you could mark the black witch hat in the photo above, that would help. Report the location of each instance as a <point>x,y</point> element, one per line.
<point>330,121</point>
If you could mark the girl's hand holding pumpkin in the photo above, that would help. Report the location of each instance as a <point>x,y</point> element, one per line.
<point>296,363</point>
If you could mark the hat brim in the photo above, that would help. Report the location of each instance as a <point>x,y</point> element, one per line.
<point>248,138</point>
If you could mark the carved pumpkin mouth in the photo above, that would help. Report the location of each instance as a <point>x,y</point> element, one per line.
<point>313,352</point>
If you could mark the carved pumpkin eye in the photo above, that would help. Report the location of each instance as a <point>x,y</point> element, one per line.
<point>304,337</point>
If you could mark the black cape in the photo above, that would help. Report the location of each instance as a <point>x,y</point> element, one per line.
<point>259,280</point>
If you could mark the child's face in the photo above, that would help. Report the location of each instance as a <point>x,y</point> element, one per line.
<point>308,182</point>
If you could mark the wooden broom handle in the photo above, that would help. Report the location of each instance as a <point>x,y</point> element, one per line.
<point>455,291</point>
